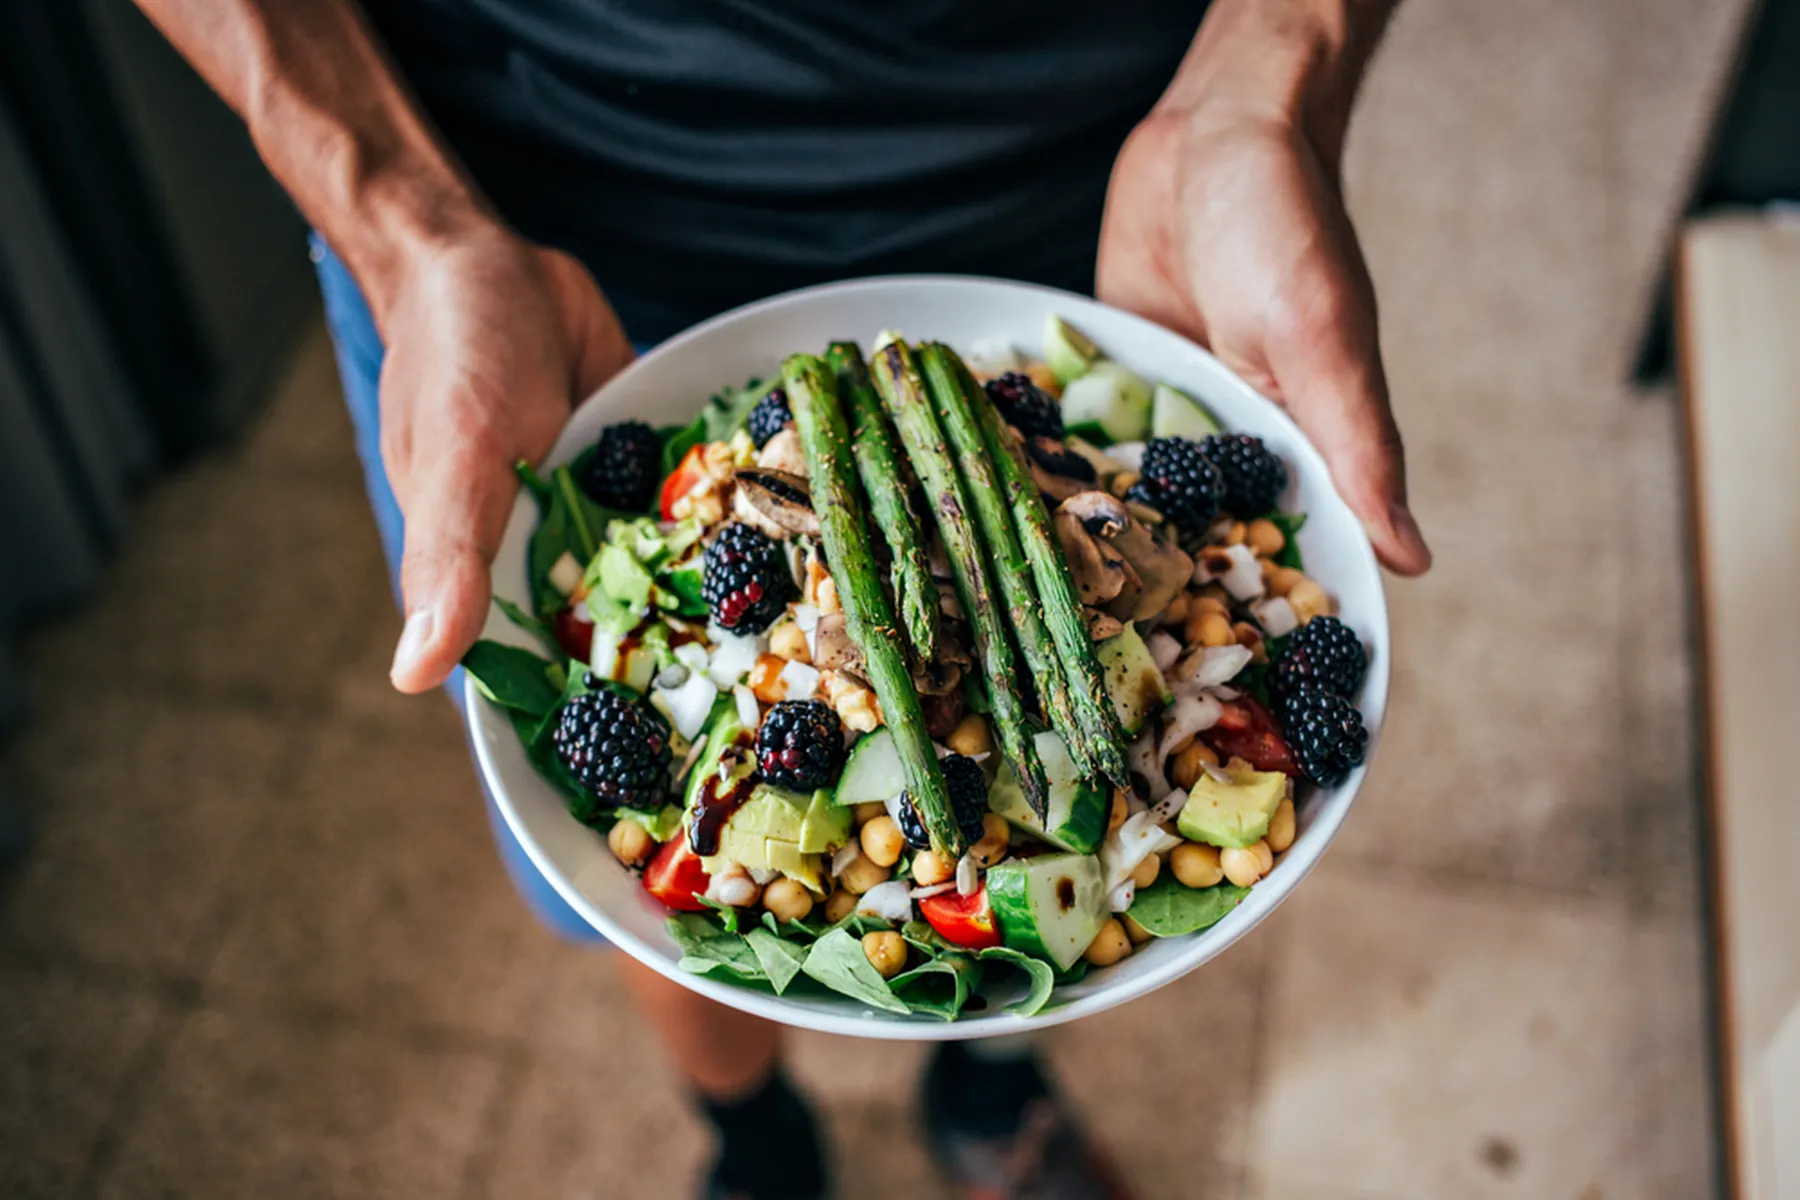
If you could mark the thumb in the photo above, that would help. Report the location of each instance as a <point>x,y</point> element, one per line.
<point>456,513</point>
<point>1333,383</point>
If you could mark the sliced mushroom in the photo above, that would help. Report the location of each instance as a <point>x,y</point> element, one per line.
<point>774,502</point>
<point>1157,569</point>
<point>1102,625</point>
<point>948,604</point>
<point>1100,571</point>
<point>833,650</point>
<point>783,453</point>
<point>1056,488</point>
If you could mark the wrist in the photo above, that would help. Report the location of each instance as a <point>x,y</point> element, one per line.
<point>1286,65</point>
<point>399,221</point>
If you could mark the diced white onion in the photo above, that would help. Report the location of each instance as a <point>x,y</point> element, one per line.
<point>1168,807</point>
<point>689,705</point>
<point>993,356</point>
<point>936,889</point>
<point>1164,649</point>
<point>691,655</point>
<point>889,901</point>
<point>1216,774</point>
<point>732,656</point>
<point>1219,664</point>
<point>749,714</point>
<point>800,681</point>
<point>603,657</point>
<point>968,875</point>
<point>1188,716</point>
<point>1276,616</point>
<point>848,853</point>
<point>565,574</point>
<point>1121,896</point>
<point>1244,580</point>
<point>763,876</point>
<point>1129,455</point>
<point>1130,844</point>
<point>1224,692</point>
<point>732,886</point>
<point>692,756</point>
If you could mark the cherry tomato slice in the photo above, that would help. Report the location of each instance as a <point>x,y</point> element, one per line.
<point>964,920</point>
<point>676,877</point>
<point>683,479</point>
<point>574,632</point>
<point>1254,738</point>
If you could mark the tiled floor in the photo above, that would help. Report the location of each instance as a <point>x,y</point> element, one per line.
<point>264,948</point>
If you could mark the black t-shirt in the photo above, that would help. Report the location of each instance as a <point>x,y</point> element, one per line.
<point>697,154</point>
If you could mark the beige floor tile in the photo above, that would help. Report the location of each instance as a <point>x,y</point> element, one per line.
<point>248,1106</point>
<point>66,1049</point>
<point>1425,1044</point>
<point>144,806</point>
<point>306,429</point>
<point>235,584</point>
<point>613,1126</point>
<point>376,889</point>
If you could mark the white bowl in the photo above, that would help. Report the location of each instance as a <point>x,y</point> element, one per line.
<point>668,385</point>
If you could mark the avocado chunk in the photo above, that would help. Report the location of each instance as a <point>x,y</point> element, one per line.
<point>1234,813</point>
<point>826,825</point>
<point>1068,352</point>
<point>767,833</point>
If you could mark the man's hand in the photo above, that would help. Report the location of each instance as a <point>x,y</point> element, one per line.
<point>489,340</point>
<point>1224,222</point>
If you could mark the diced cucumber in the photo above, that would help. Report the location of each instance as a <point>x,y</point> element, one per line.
<point>1049,906</point>
<point>872,772</point>
<point>1068,352</point>
<point>1174,413</point>
<point>1110,397</point>
<point>1077,809</point>
<point>1137,688</point>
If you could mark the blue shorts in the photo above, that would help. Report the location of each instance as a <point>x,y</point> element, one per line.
<point>359,354</point>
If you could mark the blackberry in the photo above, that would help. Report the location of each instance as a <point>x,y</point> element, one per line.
<point>968,788</point>
<point>1324,651</point>
<point>616,748</point>
<point>800,745</point>
<point>1050,455</point>
<point>625,468</point>
<point>770,416</point>
<point>1325,732</point>
<point>745,579</point>
<point>1254,476</point>
<point>1178,481</point>
<point>1026,406</point>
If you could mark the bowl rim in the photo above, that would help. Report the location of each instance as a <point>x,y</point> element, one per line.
<point>858,1020</point>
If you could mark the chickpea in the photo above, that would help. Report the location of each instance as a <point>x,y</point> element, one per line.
<point>995,833</point>
<point>1264,855</point>
<point>1195,864</point>
<point>1283,579</point>
<point>1265,537</point>
<point>1204,604</point>
<point>1145,873</point>
<point>1186,770</point>
<point>1046,380</point>
<point>1177,611</point>
<point>1281,827</point>
<point>1308,600</point>
<point>882,842</point>
<point>930,867</point>
<point>886,952</point>
<point>630,842</point>
<point>862,874</point>
<point>1137,933</point>
<point>1122,482</point>
<point>765,679</point>
<point>1250,638</point>
<point>1121,808</point>
<point>839,905</point>
<point>1234,536</point>
<point>1242,867</point>
<point>1216,593</point>
<point>971,736</point>
<point>787,900</point>
<point>1215,630</point>
<point>1109,945</point>
<point>862,814</point>
<point>790,643</point>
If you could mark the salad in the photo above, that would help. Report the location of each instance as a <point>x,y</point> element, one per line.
<point>901,676</point>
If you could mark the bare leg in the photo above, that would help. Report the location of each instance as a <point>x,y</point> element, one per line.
<point>725,1054</point>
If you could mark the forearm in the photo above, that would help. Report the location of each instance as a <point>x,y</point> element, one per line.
<point>1295,62</point>
<point>335,126</point>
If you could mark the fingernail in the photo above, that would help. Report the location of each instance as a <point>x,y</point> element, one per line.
<point>1407,530</point>
<point>412,641</point>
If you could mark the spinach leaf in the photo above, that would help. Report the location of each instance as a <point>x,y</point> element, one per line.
<point>677,440</point>
<point>513,678</point>
<point>530,624</point>
<point>1167,908</point>
<point>535,483</point>
<point>780,960</point>
<point>1289,524</point>
<point>731,408</point>
<point>938,987</point>
<point>728,916</point>
<point>1040,975</point>
<point>707,949</point>
<point>837,961</point>
<point>572,525</point>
